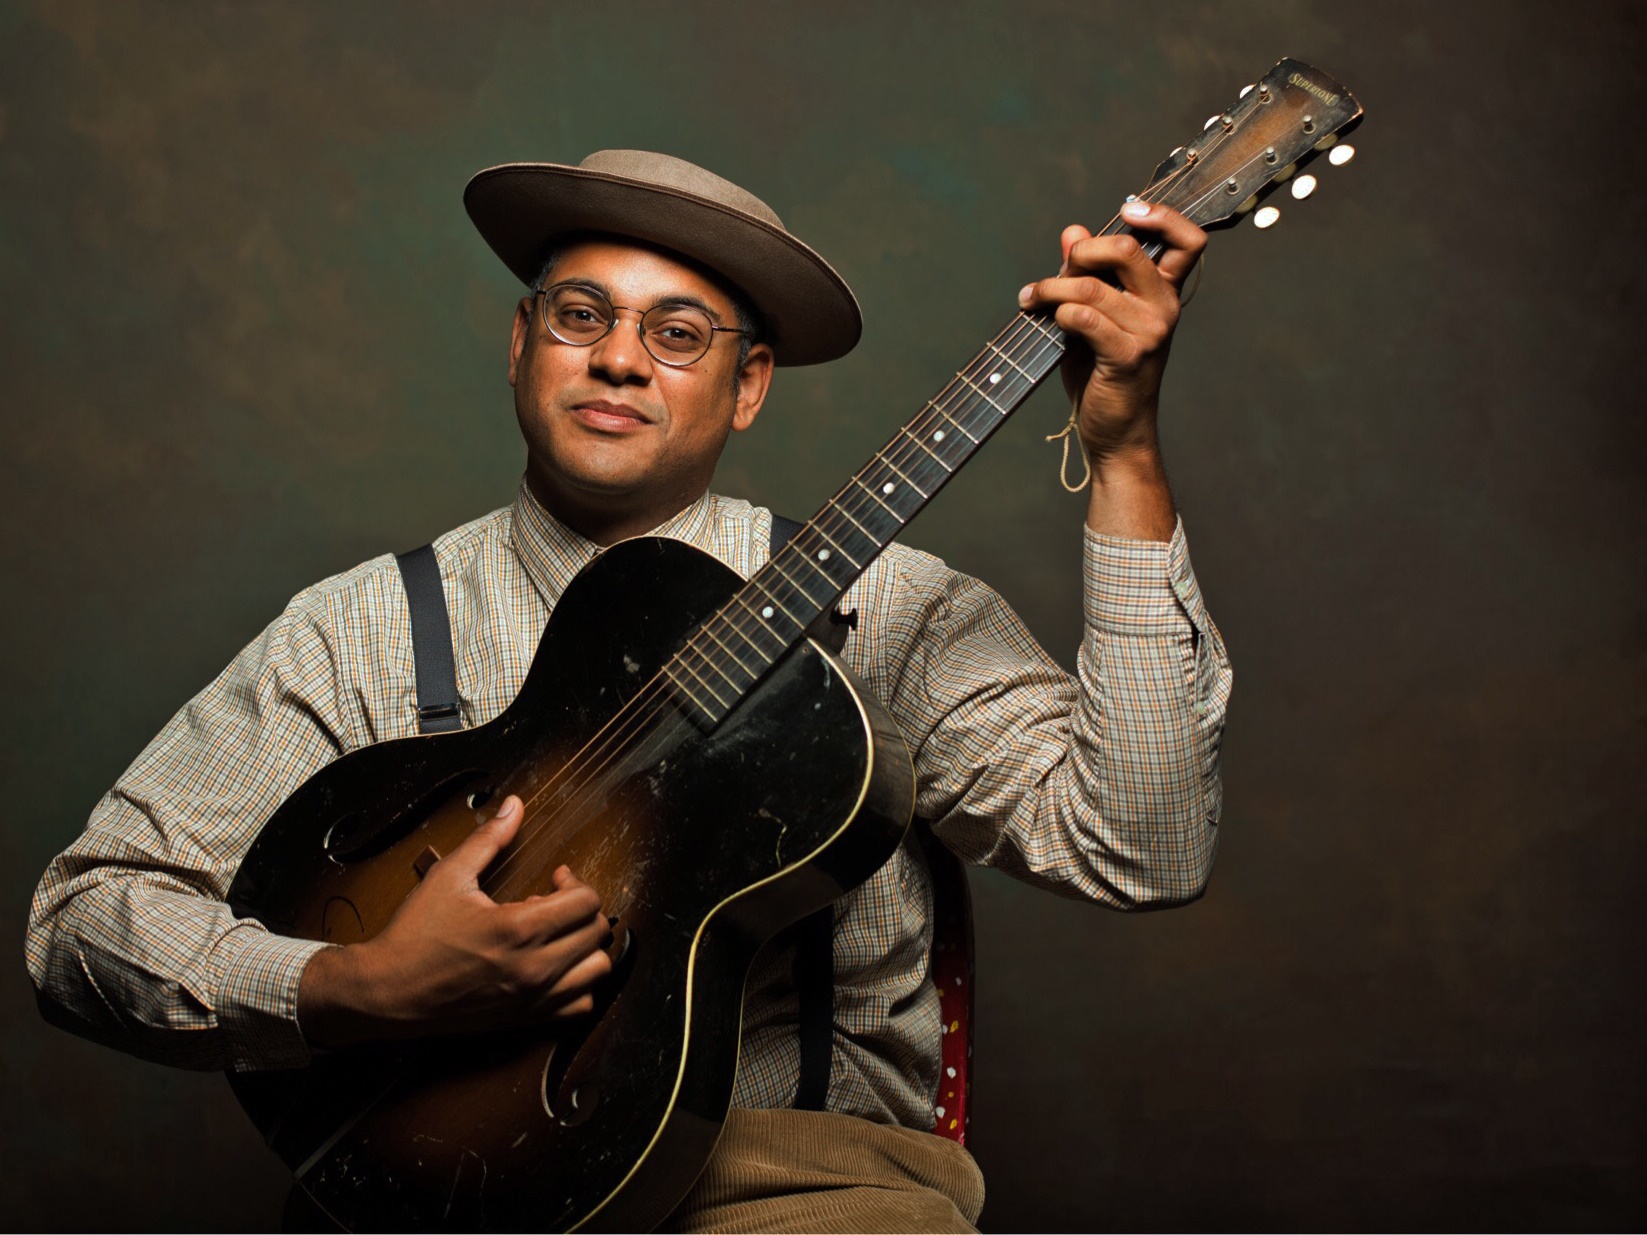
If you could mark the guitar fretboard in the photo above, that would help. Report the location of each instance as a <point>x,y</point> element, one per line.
<point>773,611</point>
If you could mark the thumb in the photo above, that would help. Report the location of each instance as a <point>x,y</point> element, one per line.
<point>484,844</point>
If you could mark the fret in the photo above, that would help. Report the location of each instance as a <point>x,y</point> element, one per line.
<point>706,714</point>
<point>982,393</point>
<point>731,627</point>
<point>708,628</point>
<point>777,565</point>
<point>684,663</point>
<point>767,612</point>
<point>901,520</point>
<point>867,533</point>
<point>1010,361</point>
<point>882,457</point>
<point>939,436</point>
<point>933,404</point>
<point>834,546</point>
<point>928,450</point>
<point>1052,336</point>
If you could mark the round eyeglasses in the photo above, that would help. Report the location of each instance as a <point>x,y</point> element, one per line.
<point>673,333</point>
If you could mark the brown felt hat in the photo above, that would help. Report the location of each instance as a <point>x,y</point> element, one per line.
<point>810,313</point>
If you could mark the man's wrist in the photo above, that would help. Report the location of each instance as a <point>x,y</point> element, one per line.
<point>1130,496</point>
<point>330,1010</point>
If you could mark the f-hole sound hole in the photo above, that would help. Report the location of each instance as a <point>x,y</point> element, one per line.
<point>571,1099</point>
<point>567,1105</point>
<point>361,834</point>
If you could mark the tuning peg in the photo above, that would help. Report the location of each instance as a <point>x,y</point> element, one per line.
<point>1245,91</point>
<point>1247,205</point>
<point>1303,186</point>
<point>1341,154</point>
<point>1266,216</point>
<point>1285,173</point>
<point>1327,142</point>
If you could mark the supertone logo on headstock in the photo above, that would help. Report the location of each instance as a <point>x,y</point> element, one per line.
<point>1304,83</point>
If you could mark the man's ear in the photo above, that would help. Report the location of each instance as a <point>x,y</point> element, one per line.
<point>753,380</point>
<point>519,335</point>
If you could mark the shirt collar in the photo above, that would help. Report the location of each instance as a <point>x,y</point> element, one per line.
<point>553,553</point>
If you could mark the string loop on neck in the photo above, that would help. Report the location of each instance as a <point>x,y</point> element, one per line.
<point>1071,430</point>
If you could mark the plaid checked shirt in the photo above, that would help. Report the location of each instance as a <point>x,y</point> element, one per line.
<point>1104,786</point>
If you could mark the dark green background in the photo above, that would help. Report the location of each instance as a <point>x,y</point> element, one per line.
<point>249,339</point>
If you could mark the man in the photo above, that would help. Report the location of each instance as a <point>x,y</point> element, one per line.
<point>661,299</point>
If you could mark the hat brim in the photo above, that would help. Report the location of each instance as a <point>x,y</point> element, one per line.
<point>809,312</point>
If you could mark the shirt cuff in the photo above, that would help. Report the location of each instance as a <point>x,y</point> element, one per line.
<point>1140,587</point>
<point>257,999</point>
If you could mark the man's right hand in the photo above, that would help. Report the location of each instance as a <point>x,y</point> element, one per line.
<point>453,960</point>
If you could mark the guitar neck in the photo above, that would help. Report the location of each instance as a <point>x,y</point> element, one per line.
<point>1241,156</point>
<point>772,612</point>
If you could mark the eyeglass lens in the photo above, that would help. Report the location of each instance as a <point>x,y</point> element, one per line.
<point>676,334</point>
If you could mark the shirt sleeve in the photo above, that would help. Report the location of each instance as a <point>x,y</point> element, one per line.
<point>1103,785</point>
<point>130,941</point>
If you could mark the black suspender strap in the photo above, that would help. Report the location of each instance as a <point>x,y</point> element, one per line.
<point>437,693</point>
<point>814,969</point>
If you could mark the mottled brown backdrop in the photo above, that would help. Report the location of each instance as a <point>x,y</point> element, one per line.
<point>249,339</point>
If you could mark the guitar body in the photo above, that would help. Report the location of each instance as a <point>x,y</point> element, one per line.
<point>702,844</point>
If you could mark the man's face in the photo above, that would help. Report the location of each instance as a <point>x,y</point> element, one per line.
<point>617,442</point>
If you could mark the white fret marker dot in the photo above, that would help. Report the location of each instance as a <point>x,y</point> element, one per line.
<point>766,612</point>
<point>938,435</point>
<point>823,555</point>
<point>888,487</point>
<point>993,378</point>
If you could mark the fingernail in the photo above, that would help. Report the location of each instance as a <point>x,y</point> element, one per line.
<point>1136,210</point>
<point>1024,295</point>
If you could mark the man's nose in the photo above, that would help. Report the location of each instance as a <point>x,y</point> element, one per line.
<point>620,356</point>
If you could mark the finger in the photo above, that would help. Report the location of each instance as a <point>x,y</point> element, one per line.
<point>580,1005</point>
<point>564,878</point>
<point>1124,259</point>
<point>1184,240</point>
<point>542,920</point>
<point>1126,311</point>
<point>581,978</point>
<point>483,845</point>
<point>1113,347</point>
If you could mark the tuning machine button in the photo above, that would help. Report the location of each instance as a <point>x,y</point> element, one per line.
<point>1341,154</point>
<point>1265,217</point>
<point>1245,91</point>
<point>1303,186</point>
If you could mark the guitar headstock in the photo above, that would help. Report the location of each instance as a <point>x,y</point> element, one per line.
<point>1288,118</point>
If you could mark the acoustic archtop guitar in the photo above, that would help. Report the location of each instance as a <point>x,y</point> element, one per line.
<point>715,773</point>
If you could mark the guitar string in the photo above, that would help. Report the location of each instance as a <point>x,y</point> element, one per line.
<point>626,736</point>
<point>621,739</point>
<point>639,718</point>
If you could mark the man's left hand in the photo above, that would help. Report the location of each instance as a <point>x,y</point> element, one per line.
<point>1119,336</point>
